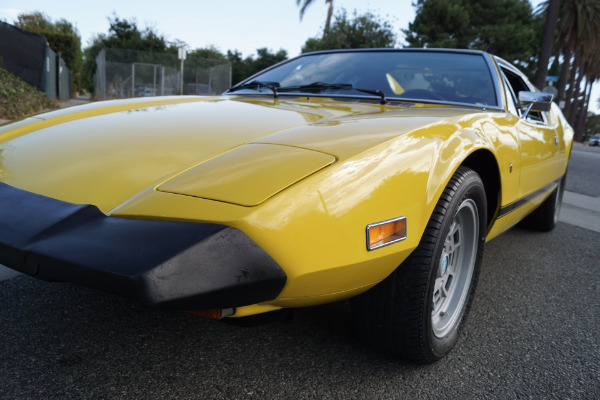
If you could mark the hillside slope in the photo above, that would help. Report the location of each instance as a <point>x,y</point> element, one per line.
<point>18,99</point>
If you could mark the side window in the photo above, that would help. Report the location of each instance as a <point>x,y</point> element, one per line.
<point>511,99</point>
<point>517,84</point>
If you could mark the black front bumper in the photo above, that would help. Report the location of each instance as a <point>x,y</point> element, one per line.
<point>165,264</point>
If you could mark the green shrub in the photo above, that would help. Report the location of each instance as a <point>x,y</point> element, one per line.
<point>18,99</point>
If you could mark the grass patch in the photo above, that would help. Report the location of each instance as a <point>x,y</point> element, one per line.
<point>18,99</point>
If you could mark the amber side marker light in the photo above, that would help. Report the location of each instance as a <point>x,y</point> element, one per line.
<point>384,233</point>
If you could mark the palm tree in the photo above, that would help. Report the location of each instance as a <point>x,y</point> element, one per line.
<point>304,4</point>
<point>578,26</point>
<point>592,68</point>
<point>551,8</point>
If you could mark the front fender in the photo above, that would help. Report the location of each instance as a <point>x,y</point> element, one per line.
<point>316,229</point>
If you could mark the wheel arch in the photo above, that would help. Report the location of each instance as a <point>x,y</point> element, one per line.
<point>484,163</point>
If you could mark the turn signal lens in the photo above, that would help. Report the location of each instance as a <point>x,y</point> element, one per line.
<point>385,233</point>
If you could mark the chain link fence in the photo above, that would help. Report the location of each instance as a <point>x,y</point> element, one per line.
<point>28,56</point>
<point>122,73</point>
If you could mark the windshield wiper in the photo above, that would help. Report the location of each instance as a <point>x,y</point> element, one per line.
<point>318,86</point>
<point>334,86</point>
<point>374,92</point>
<point>256,85</point>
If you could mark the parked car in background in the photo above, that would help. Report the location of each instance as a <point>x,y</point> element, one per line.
<point>376,175</point>
<point>595,140</point>
<point>146,91</point>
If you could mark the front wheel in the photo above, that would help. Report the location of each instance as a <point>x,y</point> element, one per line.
<point>416,313</point>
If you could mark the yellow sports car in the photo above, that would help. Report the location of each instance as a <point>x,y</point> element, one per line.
<point>376,175</point>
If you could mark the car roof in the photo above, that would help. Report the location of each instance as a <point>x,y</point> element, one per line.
<point>393,50</point>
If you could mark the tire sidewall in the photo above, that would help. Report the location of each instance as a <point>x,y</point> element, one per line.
<point>470,188</point>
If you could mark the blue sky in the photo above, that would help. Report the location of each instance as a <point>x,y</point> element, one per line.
<point>242,25</point>
<point>228,24</point>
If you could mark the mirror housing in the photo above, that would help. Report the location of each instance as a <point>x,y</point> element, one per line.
<point>534,101</point>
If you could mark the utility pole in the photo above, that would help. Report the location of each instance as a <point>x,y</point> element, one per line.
<point>182,55</point>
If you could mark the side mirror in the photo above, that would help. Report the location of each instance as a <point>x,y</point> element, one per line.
<point>534,102</point>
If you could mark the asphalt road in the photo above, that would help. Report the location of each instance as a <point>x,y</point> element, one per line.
<point>533,332</point>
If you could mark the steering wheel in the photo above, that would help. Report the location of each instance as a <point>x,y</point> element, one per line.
<point>422,94</point>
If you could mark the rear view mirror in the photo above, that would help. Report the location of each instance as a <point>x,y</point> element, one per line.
<point>534,102</point>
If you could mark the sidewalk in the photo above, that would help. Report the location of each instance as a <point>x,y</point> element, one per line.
<point>76,101</point>
<point>580,210</point>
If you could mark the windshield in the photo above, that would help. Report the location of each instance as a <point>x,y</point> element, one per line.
<point>441,77</point>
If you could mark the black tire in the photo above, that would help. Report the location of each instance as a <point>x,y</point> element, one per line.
<point>545,217</point>
<point>397,316</point>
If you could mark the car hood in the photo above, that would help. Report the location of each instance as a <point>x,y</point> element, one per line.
<point>106,152</point>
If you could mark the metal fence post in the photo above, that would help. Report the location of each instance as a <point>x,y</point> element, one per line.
<point>153,74</point>
<point>132,79</point>
<point>182,55</point>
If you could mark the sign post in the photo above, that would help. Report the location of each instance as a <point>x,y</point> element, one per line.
<point>550,88</point>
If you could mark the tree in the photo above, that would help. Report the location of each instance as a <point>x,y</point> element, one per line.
<point>592,125</point>
<point>243,68</point>
<point>578,40</point>
<point>439,23</point>
<point>207,53</point>
<point>199,61</point>
<point>550,8</point>
<point>238,69</point>
<point>507,28</point>
<point>122,34</point>
<point>62,38</point>
<point>363,31</point>
<point>304,4</point>
<point>34,22</point>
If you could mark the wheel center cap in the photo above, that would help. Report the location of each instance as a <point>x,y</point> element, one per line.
<point>444,263</point>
